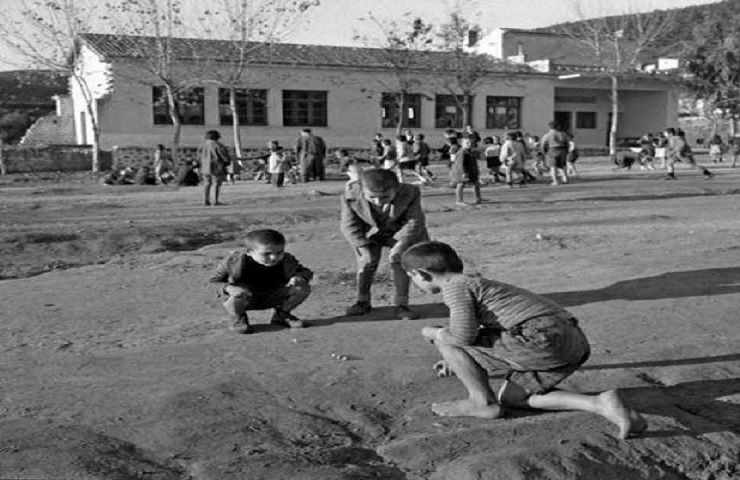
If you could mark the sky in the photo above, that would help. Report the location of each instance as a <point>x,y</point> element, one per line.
<point>345,22</point>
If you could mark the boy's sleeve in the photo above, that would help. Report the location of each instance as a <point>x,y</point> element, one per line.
<point>352,226</point>
<point>294,268</point>
<point>414,224</point>
<point>463,320</point>
<point>222,272</point>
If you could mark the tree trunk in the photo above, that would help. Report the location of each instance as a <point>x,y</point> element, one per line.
<point>615,119</point>
<point>401,106</point>
<point>176,127</point>
<point>235,123</point>
<point>466,110</point>
<point>91,115</point>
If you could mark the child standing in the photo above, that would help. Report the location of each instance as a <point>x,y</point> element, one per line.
<point>715,149</point>
<point>493,156</point>
<point>261,277</point>
<point>512,159</point>
<point>277,165</point>
<point>495,326</point>
<point>465,171</point>
<point>378,211</point>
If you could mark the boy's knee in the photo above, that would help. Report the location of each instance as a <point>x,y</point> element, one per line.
<point>300,291</point>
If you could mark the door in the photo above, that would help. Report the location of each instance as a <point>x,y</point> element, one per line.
<point>565,120</point>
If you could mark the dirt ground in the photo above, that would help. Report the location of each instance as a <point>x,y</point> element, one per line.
<point>116,361</point>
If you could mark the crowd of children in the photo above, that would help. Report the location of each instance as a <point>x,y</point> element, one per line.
<point>493,328</point>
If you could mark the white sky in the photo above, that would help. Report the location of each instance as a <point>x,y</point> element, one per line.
<point>339,22</point>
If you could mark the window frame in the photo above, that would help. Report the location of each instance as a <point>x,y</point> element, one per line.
<point>509,103</point>
<point>251,107</point>
<point>389,105</point>
<point>161,107</point>
<point>315,103</point>
<point>592,124</point>
<point>441,113</point>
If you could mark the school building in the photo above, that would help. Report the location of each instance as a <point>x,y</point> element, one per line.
<point>346,94</point>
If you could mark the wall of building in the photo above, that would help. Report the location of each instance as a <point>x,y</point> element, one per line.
<point>353,107</point>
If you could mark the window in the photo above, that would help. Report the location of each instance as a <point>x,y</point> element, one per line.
<point>304,108</point>
<point>585,119</point>
<point>190,106</point>
<point>504,113</point>
<point>448,111</point>
<point>251,106</point>
<point>389,104</point>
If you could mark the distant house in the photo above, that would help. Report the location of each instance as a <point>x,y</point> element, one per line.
<point>342,93</point>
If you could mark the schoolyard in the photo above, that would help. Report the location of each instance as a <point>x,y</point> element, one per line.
<point>117,362</point>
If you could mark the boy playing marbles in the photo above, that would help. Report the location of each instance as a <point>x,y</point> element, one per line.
<point>378,211</point>
<point>497,327</point>
<point>261,277</point>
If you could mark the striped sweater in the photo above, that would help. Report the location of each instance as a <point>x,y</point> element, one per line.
<point>474,301</point>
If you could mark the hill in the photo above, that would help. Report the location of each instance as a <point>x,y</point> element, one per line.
<point>684,20</point>
<point>24,89</point>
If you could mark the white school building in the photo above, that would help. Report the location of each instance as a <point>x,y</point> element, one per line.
<point>345,94</point>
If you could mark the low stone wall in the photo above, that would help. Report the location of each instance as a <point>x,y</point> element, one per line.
<point>51,158</point>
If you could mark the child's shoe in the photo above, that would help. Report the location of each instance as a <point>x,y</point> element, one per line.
<point>241,325</point>
<point>359,308</point>
<point>403,312</point>
<point>282,318</point>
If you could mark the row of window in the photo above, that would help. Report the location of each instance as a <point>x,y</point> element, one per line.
<point>307,108</point>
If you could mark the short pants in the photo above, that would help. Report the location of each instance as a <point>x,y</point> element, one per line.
<point>407,165</point>
<point>537,354</point>
<point>556,157</point>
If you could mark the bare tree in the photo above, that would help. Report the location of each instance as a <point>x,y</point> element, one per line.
<point>401,50</point>
<point>464,70</point>
<point>252,26</point>
<point>47,38</point>
<point>618,45</point>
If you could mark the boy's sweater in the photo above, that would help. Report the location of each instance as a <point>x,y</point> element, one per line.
<point>240,269</point>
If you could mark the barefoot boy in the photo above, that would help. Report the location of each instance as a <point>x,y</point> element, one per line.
<point>378,211</point>
<point>264,276</point>
<point>497,327</point>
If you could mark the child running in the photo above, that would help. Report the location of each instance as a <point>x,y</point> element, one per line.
<point>378,211</point>
<point>493,156</point>
<point>498,327</point>
<point>261,277</point>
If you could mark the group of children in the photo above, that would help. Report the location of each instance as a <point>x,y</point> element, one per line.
<point>494,327</point>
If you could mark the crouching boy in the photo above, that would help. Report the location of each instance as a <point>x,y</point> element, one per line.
<point>378,211</point>
<point>494,328</point>
<point>261,277</point>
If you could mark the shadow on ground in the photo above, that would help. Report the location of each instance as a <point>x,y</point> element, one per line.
<point>689,283</point>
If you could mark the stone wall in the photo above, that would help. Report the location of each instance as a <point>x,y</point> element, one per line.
<point>52,158</point>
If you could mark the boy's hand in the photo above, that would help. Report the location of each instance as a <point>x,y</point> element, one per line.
<point>297,281</point>
<point>443,369</point>
<point>430,333</point>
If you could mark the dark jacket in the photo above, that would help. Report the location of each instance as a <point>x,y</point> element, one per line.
<point>406,226</point>
<point>213,157</point>
<point>238,269</point>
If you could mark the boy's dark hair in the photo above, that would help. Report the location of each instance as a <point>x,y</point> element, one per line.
<point>387,141</point>
<point>378,179</point>
<point>436,257</point>
<point>212,135</point>
<point>306,130</point>
<point>420,136</point>
<point>264,237</point>
<point>401,138</point>
<point>488,140</point>
<point>511,135</point>
<point>670,131</point>
<point>344,152</point>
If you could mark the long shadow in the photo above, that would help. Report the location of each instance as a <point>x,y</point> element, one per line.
<point>697,405</point>
<point>666,363</point>
<point>689,283</point>
<point>379,314</point>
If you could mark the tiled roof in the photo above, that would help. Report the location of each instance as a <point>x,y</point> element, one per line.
<point>129,46</point>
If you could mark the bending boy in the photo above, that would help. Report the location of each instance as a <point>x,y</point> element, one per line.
<point>497,327</point>
<point>378,211</point>
<point>264,276</point>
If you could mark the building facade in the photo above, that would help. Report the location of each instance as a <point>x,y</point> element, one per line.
<point>344,94</point>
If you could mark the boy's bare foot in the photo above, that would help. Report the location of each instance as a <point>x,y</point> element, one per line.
<point>466,408</point>
<point>628,420</point>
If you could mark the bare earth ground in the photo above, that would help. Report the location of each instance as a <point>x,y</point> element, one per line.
<point>116,362</point>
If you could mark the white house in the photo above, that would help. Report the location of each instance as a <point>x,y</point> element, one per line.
<point>344,94</point>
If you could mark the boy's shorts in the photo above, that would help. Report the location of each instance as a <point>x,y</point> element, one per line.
<point>536,355</point>
<point>556,157</point>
